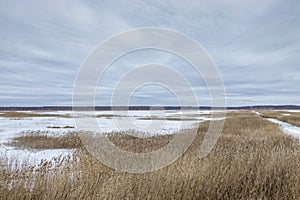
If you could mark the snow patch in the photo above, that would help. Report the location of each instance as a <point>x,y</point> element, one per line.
<point>286,114</point>
<point>257,113</point>
<point>287,128</point>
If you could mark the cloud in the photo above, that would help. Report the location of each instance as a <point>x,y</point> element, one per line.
<point>255,45</point>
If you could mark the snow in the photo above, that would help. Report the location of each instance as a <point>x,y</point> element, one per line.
<point>258,113</point>
<point>287,128</point>
<point>16,158</point>
<point>10,128</point>
<point>121,121</point>
<point>290,110</point>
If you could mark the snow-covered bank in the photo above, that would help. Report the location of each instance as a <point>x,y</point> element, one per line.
<point>16,158</point>
<point>287,128</point>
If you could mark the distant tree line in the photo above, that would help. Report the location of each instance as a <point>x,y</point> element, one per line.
<point>107,108</point>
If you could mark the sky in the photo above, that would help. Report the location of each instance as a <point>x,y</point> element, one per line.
<point>255,45</point>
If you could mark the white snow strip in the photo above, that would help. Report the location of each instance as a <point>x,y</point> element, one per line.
<point>289,110</point>
<point>286,114</point>
<point>16,158</point>
<point>258,113</point>
<point>287,128</point>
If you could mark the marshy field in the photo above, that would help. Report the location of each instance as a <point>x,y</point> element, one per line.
<point>256,157</point>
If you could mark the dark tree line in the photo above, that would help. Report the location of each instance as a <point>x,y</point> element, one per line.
<point>107,108</point>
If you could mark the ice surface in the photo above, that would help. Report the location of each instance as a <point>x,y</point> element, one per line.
<point>108,121</point>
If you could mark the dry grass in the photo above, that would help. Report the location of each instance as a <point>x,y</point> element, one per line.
<point>40,140</point>
<point>58,127</point>
<point>253,159</point>
<point>109,116</point>
<point>168,118</point>
<point>140,145</point>
<point>292,118</point>
<point>15,114</point>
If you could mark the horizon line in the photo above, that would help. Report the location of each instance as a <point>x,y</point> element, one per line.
<point>143,107</point>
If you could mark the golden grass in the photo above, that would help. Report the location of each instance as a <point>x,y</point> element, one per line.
<point>15,114</point>
<point>140,145</point>
<point>168,118</point>
<point>253,159</point>
<point>40,140</point>
<point>292,118</point>
<point>58,127</point>
<point>109,115</point>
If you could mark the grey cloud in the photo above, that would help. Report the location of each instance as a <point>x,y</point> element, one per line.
<point>255,44</point>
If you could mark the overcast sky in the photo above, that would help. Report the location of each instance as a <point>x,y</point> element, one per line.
<point>255,44</point>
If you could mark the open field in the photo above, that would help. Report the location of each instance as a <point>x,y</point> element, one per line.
<point>253,159</point>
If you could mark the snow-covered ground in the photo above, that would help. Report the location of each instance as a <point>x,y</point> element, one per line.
<point>287,128</point>
<point>108,121</point>
<point>11,156</point>
<point>289,110</point>
<point>258,113</point>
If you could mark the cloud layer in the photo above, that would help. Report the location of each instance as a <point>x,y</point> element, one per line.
<point>255,44</point>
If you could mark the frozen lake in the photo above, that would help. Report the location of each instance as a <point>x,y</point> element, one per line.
<point>152,122</point>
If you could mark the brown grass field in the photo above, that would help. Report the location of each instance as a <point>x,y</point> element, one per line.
<point>253,159</point>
